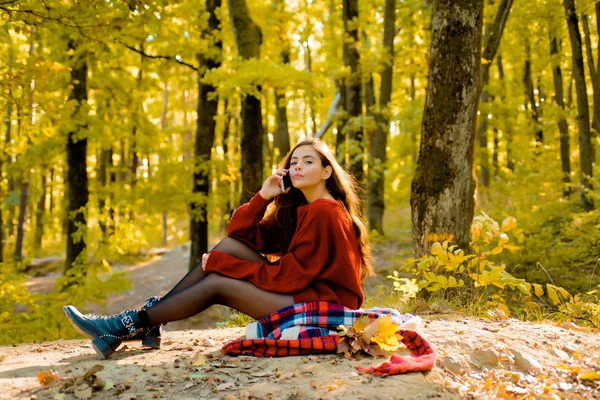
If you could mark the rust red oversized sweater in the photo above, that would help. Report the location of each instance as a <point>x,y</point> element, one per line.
<point>322,261</point>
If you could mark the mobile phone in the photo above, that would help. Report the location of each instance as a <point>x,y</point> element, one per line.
<point>286,182</point>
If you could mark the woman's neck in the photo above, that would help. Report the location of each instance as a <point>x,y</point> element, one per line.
<point>317,193</point>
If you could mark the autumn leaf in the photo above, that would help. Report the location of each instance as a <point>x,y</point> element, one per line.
<point>385,336</point>
<point>508,224</point>
<point>360,323</point>
<point>589,375</point>
<point>46,378</point>
<point>93,370</point>
<point>198,359</point>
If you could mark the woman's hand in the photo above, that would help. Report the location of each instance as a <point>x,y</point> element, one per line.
<point>272,186</point>
<point>204,260</point>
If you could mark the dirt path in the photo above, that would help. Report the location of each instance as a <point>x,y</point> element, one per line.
<point>477,358</point>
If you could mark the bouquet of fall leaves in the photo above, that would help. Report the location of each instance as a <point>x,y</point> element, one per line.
<point>377,338</point>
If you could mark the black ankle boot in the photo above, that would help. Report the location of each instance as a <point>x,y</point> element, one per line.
<point>152,337</point>
<point>106,332</point>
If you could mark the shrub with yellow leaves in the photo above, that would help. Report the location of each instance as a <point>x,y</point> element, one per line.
<point>480,278</point>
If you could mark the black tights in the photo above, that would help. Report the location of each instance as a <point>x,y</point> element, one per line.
<point>199,290</point>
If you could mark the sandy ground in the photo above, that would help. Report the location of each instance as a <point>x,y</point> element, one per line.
<point>477,358</point>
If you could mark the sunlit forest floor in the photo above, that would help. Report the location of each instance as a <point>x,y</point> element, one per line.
<point>477,357</point>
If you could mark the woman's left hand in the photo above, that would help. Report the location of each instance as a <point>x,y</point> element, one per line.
<point>204,260</point>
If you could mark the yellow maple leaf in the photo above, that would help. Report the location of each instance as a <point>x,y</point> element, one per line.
<point>360,324</point>
<point>385,336</point>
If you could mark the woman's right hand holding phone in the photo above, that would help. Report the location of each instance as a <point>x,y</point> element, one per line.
<point>272,185</point>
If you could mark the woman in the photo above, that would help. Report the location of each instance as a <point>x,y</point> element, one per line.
<point>315,228</point>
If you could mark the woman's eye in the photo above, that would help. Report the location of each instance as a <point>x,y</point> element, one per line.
<point>293,163</point>
<point>309,162</point>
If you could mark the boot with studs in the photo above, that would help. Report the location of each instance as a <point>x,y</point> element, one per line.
<point>106,332</point>
<point>152,337</point>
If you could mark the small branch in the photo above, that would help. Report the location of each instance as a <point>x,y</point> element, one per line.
<point>168,58</point>
<point>58,20</point>
<point>334,105</point>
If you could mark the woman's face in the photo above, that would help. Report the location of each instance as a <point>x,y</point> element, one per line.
<point>305,168</point>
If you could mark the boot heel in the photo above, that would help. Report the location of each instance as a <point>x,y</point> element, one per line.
<point>102,348</point>
<point>151,341</point>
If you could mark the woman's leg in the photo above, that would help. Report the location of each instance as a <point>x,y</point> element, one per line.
<point>228,245</point>
<point>217,289</point>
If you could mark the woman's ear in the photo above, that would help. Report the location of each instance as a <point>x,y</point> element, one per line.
<point>327,172</point>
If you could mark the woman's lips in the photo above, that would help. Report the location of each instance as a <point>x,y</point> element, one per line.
<point>296,176</point>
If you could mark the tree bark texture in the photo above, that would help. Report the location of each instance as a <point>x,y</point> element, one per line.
<point>377,149</point>
<point>583,117</point>
<point>442,191</point>
<point>353,83</point>
<point>595,86</point>
<point>248,38</point>
<point>208,105</point>
<point>493,35</point>
<point>77,179</point>
<point>39,216</point>
<point>563,127</point>
<point>283,135</point>
<point>535,109</point>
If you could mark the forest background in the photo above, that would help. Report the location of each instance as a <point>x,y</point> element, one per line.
<point>471,126</point>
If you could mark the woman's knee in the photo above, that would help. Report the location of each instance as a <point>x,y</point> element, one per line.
<point>216,285</point>
<point>227,243</point>
<point>239,250</point>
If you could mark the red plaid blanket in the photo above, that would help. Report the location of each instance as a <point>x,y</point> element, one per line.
<point>326,316</point>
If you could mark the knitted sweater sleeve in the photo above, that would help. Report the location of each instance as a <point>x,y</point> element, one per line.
<point>248,226</point>
<point>308,255</point>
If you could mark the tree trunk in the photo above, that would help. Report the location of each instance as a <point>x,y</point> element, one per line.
<point>414,154</point>
<point>77,180</point>
<point>7,144</point>
<point>205,135</point>
<point>595,86</point>
<point>377,148</point>
<point>505,117</point>
<point>341,149</point>
<point>51,202</point>
<point>248,39</point>
<point>535,110</point>
<point>310,94</point>
<point>226,127</point>
<point>133,151</point>
<point>563,127</point>
<point>24,197</point>
<point>492,37</point>
<point>7,124</point>
<point>583,117</point>
<point>283,134</point>
<point>442,191</point>
<point>495,149</point>
<point>39,217</point>
<point>103,179</point>
<point>18,254</point>
<point>486,99</point>
<point>163,126</point>
<point>353,83</point>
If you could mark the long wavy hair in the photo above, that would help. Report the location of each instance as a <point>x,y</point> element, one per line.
<point>340,184</point>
